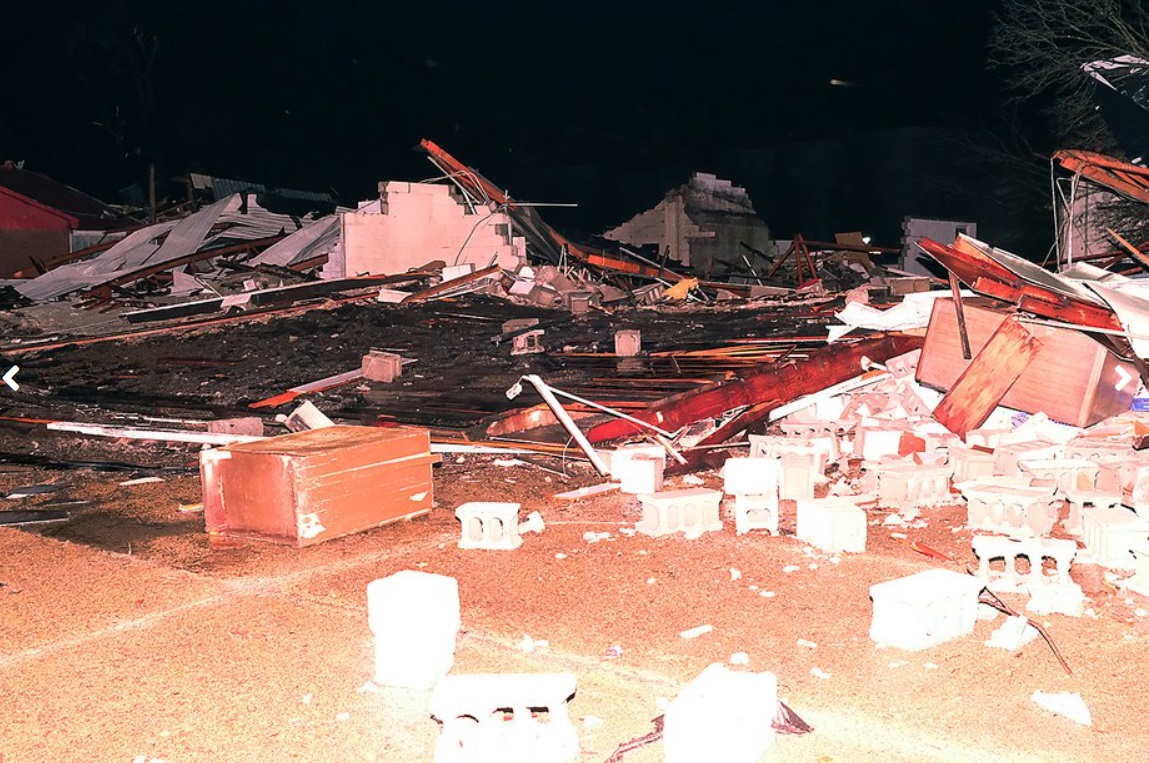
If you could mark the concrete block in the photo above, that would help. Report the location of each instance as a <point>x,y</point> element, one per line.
<point>756,512</point>
<point>1110,536</point>
<point>872,443</point>
<point>832,524</point>
<point>924,610</point>
<point>799,474</point>
<point>986,438</point>
<point>752,476</point>
<point>505,718</point>
<point>1008,578</point>
<point>722,715</point>
<point>970,463</point>
<point>627,342</point>
<point>382,366</point>
<point>903,483</point>
<point>519,324</point>
<point>642,474</point>
<point>1080,499</point>
<point>813,441</point>
<point>1066,473</point>
<point>1007,458</point>
<point>489,525</point>
<point>691,511</point>
<point>1011,509</point>
<point>414,618</point>
<point>451,272</point>
<point>528,343</point>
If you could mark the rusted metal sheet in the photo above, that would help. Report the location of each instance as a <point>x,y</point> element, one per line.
<point>304,488</point>
<point>792,379</point>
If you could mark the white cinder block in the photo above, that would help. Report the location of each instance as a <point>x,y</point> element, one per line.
<point>925,609</point>
<point>722,715</point>
<point>474,711</point>
<point>414,617</point>
<point>1111,534</point>
<point>755,512</point>
<point>832,524</point>
<point>691,511</point>
<point>489,525</point>
<point>751,476</point>
<point>640,474</point>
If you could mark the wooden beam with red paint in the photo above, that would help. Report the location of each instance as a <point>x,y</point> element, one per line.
<point>783,382</point>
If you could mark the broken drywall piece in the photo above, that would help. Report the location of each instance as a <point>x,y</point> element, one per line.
<point>1066,704</point>
<point>1013,634</point>
<point>721,715</point>
<point>414,618</point>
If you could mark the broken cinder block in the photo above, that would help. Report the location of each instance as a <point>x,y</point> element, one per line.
<point>505,718</point>
<point>722,715</point>
<point>414,617</point>
<point>489,525</point>
<point>756,512</point>
<point>924,610</point>
<point>691,511</point>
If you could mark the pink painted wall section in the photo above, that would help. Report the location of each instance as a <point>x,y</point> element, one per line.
<point>18,213</point>
<point>419,223</point>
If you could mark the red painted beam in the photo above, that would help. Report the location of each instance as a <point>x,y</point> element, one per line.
<point>788,381</point>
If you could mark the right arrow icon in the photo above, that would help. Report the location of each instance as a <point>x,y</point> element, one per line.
<point>10,378</point>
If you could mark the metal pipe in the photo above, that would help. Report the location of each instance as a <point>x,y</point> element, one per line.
<point>568,424</point>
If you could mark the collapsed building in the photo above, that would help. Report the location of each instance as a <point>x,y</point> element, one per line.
<point>543,483</point>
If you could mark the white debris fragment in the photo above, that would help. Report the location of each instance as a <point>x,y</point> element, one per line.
<point>692,479</point>
<point>986,612</point>
<point>819,673</point>
<point>813,565</point>
<point>560,556</point>
<point>735,574</point>
<point>509,462</point>
<point>752,587</point>
<point>1141,612</point>
<point>897,664</point>
<point>766,594</point>
<point>791,568</point>
<point>141,481</point>
<point>899,536</point>
<point>592,722</point>
<point>590,536</point>
<point>629,532</point>
<point>1067,704</point>
<point>739,658</point>
<point>528,644</point>
<point>696,631</point>
<point>368,688</point>
<point>1013,634</point>
<point>342,717</point>
<point>807,643</point>
<point>532,524</point>
<point>892,519</point>
<point>306,699</point>
<point>930,665</point>
<point>419,496</point>
<point>835,560</point>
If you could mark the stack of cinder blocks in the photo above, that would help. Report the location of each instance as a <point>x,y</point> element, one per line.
<point>754,484</point>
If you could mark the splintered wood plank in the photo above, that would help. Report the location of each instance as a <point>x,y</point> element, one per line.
<point>987,379</point>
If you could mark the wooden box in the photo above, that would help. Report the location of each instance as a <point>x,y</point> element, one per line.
<point>1073,379</point>
<point>308,487</point>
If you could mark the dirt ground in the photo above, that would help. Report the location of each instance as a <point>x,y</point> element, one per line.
<point>126,636</point>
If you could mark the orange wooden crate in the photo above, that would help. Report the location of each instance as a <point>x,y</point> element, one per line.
<point>308,487</point>
<point>1073,379</point>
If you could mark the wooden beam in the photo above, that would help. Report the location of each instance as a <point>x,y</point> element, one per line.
<point>782,382</point>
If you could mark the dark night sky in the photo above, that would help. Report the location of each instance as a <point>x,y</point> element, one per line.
<point>546,98</point>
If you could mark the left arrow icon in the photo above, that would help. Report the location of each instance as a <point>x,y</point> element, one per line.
<point>10,378</point>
